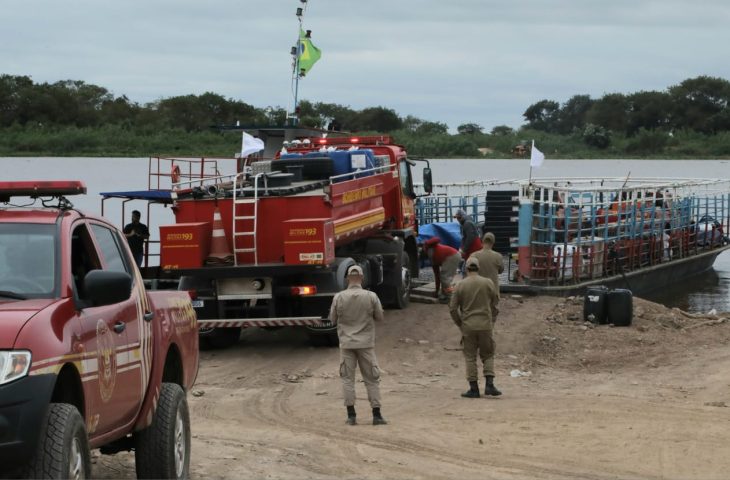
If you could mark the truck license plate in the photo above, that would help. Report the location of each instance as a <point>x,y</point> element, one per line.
<point>198,303</point>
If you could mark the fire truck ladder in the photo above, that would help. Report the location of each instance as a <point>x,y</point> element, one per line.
<point>242,200</point>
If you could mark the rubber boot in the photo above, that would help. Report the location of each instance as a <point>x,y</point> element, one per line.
<point>489,388</point>
<point>351,415</point>
<point>378,418</point>
<point>473,391</point>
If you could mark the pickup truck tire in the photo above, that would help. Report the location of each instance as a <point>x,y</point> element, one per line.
<point>162,450</point>
<point>63,446</point>
<point>219,338</point>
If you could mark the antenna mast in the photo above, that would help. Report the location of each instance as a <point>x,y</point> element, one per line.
<point>292,118</point>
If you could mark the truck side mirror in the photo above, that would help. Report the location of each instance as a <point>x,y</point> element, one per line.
<point>427,180</point>
<point>106,288</point>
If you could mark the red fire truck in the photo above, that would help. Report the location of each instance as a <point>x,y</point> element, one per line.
<point>88,358</point>
<point>269,246</point>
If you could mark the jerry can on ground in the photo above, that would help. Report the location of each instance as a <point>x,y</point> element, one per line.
<point>620,307</point>
<point>594,305</point>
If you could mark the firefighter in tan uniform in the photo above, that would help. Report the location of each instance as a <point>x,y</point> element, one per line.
<point>490,262</point>
<point>355,311</point>
<point>471,309</point>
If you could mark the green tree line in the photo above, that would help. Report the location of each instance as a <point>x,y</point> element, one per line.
<point>72,117</point>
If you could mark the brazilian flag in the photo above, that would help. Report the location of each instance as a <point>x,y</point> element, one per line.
<point>308,53</point>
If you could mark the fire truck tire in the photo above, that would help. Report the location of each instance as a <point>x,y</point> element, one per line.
<point>219,338</point>
<point>63,446</point>
<point>162,450</point>
<point>403,289</point>
<point>324,338</point>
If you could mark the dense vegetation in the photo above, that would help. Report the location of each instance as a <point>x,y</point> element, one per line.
<point>69,117</point>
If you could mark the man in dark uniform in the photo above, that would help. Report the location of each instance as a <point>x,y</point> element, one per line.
<point>470,241</point>
<point>137,233</point>
<point>471,309</point>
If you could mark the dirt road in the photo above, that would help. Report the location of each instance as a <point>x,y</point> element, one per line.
<point>641,402</point>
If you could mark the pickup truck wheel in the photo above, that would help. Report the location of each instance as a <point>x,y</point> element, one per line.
<point>63,447</point>
<point>162,450</point>
<point>219,338</point>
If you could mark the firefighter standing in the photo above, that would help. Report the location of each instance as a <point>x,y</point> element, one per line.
<point>471,309</point>
<point>355,311</point>
<point>490,262</point>
<point>470,241</point>
<point>444,261</point>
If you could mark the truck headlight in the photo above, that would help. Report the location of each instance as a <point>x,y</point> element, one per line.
<point>14,364</point>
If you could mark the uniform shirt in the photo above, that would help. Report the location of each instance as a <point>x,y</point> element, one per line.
<point>136,242</point>
<point>472,302</point>
<point>355,310</point>
<point>490,264</point>
<point>470,241</point>
<point>437,254</point>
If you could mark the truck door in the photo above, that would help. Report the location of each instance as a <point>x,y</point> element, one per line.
<point>130,362</point>
<point>110,364</point>
<point>408,210</point>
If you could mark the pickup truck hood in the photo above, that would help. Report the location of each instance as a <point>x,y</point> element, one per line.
<point>14,314</point>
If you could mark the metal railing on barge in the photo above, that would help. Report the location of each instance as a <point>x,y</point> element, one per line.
<point>568,231</point>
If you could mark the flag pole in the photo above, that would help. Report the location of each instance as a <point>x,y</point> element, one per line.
<point>294,119</point>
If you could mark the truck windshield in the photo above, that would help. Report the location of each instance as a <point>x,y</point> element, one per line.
<point>27,261</point>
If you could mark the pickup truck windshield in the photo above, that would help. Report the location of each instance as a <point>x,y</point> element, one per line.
<point>27,261</point>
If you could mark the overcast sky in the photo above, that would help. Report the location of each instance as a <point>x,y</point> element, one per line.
<point>453,61</point>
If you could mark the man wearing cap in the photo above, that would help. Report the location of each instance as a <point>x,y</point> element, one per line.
<point>470,241</point>
<point>471,309</point>
<point>445,261</point>
<point>355,311</point>
<point>490,262</point>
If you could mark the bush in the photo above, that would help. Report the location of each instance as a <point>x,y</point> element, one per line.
<point>597,136</point>
<point>648,142</point>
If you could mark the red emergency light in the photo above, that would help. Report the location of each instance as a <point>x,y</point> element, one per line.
<point>35,189</point>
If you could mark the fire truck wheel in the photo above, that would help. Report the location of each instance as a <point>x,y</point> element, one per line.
<point>324,338</point>
<point>63,447</point>
<point>403,290</point>
<point>162,450</point>
<point>219,338</point>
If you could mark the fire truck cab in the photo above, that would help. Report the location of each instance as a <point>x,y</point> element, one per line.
<point>88,358</point>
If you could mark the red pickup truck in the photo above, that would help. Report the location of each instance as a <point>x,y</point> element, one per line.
<point>88,357</point>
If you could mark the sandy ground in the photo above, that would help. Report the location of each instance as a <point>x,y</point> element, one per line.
<point>648,401</point>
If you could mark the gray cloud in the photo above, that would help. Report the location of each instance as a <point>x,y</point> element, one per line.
<point>455,61</point>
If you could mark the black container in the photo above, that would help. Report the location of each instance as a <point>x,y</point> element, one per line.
<point>276,180</point>
<point>594,305</point>
<point>620,307</point>
<point>297,171</point>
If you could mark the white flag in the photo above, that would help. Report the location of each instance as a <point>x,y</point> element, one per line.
<point>536,156</point>
<point>250,144</point>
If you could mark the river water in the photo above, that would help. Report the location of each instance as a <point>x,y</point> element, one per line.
<point>703,293</point>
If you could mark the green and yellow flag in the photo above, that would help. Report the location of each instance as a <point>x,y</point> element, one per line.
<point>308,53</point>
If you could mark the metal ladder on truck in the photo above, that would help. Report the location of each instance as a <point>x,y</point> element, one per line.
<point>242,200</point>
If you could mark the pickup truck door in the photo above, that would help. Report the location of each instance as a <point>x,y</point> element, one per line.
<point>132,365</point>
<point>111,366</point>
